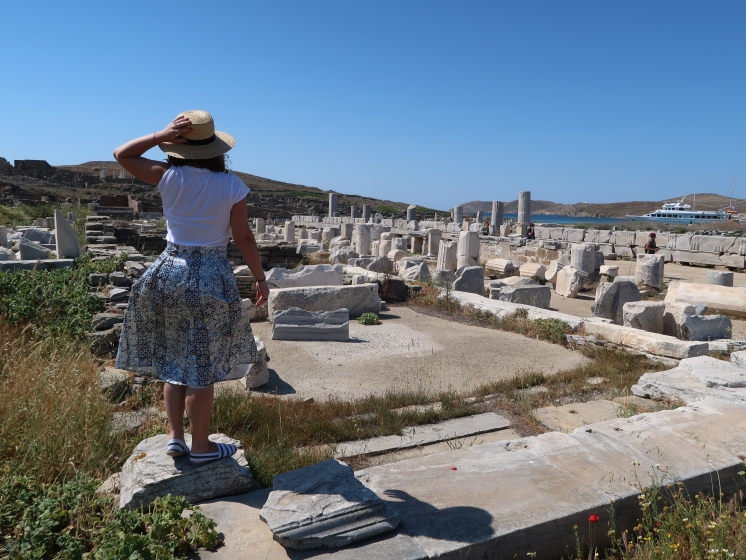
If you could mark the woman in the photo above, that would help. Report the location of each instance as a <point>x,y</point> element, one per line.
<point>651,248</point>
<point>185,320</point>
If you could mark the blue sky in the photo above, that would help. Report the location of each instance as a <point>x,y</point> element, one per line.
<point>429,102</point>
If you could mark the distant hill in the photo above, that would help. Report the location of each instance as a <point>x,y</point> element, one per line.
<point>704,201</point>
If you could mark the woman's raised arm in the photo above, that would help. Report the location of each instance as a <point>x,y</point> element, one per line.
<point>129,155</point>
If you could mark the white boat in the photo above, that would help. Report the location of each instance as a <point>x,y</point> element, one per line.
<point>683,213</point>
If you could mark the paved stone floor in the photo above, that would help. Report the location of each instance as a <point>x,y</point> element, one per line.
<point>408,351</point>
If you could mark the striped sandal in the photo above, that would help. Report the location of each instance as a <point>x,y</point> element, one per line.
<point>224,450</point>
<point>177,448</point>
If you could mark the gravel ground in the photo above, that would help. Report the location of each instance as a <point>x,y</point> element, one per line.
<point>408,351</point>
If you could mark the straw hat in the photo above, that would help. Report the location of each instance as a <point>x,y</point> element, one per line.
<point>203,141</point>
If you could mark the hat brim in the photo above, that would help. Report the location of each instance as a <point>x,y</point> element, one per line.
<point>223,142</point>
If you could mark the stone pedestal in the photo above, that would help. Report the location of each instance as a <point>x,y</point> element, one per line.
<point>411,213</point>
<point>524,207</point>
<point>583,257</point>
<point>434,237</point>
<point>332,204</point>
<point>416,244</point>
<point>497,217</point>
<point>303,234</point>
<point>290,232</point>
<point>468,249</point>
<point>261,226</point>
<point>346,230</point>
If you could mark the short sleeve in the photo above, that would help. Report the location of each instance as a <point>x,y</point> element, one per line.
<point>239,189</point>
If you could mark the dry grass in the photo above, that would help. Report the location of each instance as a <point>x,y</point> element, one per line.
<point>54,422</point>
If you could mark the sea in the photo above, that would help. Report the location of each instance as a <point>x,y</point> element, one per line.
<point>568,220</point>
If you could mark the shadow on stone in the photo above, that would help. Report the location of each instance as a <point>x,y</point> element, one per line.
<point>458,524</point>
<point>276,385</point>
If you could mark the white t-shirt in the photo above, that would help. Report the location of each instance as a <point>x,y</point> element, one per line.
<point>197,205</point>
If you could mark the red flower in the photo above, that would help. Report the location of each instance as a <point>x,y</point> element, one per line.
<point>594,518</point>
<point>454,468</point>
<point>659,523</point>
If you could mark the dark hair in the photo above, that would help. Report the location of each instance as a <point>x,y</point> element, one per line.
<point>216,163</point>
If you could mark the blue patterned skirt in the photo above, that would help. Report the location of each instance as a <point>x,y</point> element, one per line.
<point>185,321</point>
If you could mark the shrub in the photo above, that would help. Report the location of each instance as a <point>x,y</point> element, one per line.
<point>68,520</point>
<point>368,319</point>
<point>53,302</point>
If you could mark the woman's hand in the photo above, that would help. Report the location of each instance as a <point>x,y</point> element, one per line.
<point>262,292</point>
<point>171,133</point>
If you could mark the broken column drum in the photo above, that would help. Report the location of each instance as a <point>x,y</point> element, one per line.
<point>458,215</point>
<point>332,204</point>
<point>362,239</point>
<point>447,255</point>
<point>498,210</point>
<point>524,207</point>
<point>411,213</point>
<point>366,213</point>
<point>468,249</point>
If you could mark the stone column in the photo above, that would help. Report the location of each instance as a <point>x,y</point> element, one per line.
<point>3,236</point>
<point>366,214</point>
<point>353,211</point>
<point>479,218</point>
<point>411,213</point>
<point>447,256</point>
<point>290,232</point>
<point>524,207</point>
<point>362,239</point>
<point>332,204</point>
<point>434,237</point>
<point>458,214</point>
<point>260,225</point>
<point>498,210</point>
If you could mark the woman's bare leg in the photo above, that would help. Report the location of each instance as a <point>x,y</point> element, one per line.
<point>199,410</point>
<point>173,398</point>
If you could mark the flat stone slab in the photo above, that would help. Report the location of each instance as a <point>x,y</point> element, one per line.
<point>694,380</point>
<point>149,473</point>
<point>505,308</point>
<point>569,417</point>
<point>358,299</point>
<point>645,342</point>
<point>297,324</point>
<point>47,264</point>
<point>324,506</point>
<point>424,435</point>
<point>524,496</point>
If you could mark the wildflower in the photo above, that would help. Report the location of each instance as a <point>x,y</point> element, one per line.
<point>742,473</point>
<point>574,527</point>
<point>531,554</point>
<point>594,518</point>
<point>659,523</point>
